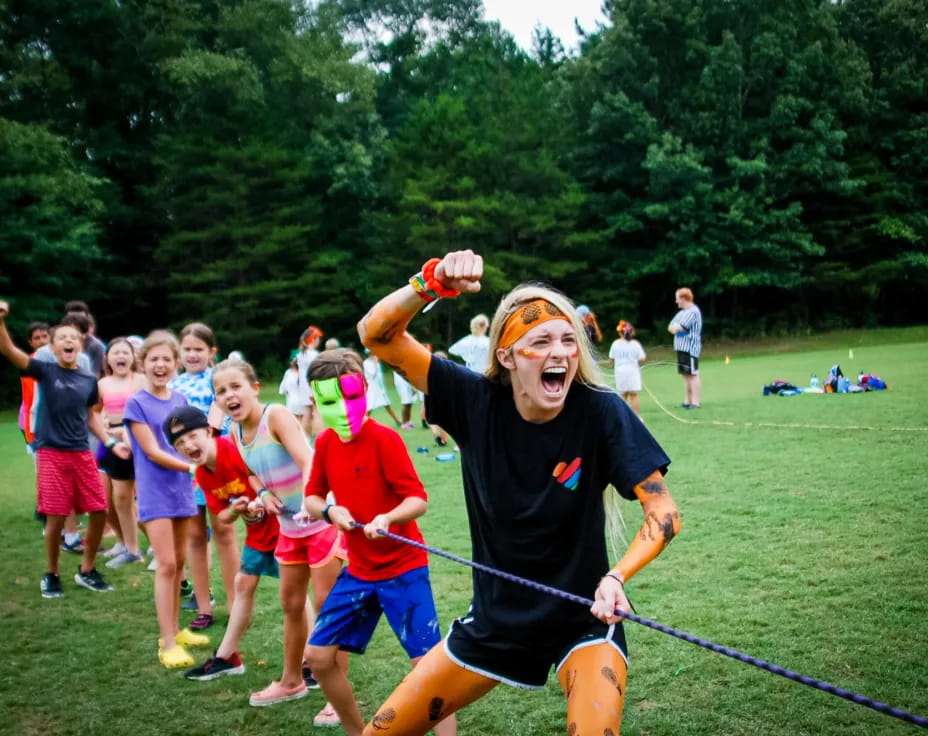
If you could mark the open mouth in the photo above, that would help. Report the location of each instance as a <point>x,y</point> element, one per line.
<point>233,406</point>
<point>195,456</point>
<point>553,379</point>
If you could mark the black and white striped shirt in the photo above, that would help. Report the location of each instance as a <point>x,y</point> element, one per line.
<point>689,341</point>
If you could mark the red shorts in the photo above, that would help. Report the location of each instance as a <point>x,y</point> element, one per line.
<point>316,550</point>
<point>68,480</point>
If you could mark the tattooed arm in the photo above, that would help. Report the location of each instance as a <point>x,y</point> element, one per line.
<point>383,329</point>
<point>661,524</point>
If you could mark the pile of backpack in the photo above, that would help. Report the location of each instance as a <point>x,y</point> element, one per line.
<point>835,383</point>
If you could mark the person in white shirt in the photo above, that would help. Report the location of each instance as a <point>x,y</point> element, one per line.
<point>474,349</point>
<point>377,397</point>
<point>290,390</point>
<point>627,355</point>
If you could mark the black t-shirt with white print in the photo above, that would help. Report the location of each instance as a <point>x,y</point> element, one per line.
<point>534,493</point>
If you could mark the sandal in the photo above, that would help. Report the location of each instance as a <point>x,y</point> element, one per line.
<point>327,718</point>
<point>176,656</point>
<point>185,637</point>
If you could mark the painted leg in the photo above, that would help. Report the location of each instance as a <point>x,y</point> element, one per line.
<point>593,678</point>
<point>435,689</point>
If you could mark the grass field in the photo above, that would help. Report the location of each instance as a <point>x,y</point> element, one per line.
<point>804,546</point>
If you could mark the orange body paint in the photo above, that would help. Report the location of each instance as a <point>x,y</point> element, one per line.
<point>661,524</point>
<point>383,332</point>
<point>531,354</point>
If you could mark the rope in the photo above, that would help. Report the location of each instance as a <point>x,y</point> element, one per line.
<point>774,425</point>
<point>704,643</point>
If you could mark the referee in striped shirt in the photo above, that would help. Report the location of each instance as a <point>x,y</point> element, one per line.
<point>686,328</point>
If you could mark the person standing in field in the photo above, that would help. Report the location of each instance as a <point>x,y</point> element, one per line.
<point>627,355</point>
<point>164,490</point>
<point>474,349</point>
<point>686,328</point>
<point>308,350</point>
<point>546,448</point>
<point>275,449</point>
<point>368,469</point>
<point>67,478</point>
<point>197,354</point>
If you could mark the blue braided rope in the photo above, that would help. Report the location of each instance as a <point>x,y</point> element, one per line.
<point>826,687</point>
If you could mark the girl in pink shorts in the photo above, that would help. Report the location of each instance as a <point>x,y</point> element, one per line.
<point>274,448</point>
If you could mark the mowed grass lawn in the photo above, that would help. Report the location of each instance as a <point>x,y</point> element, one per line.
<point>800,545</point>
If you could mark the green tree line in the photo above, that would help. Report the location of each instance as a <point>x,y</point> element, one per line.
<point>260,165</point>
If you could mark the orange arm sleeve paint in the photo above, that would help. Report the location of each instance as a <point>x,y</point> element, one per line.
<point>383,332</point>
<point>661,524</point>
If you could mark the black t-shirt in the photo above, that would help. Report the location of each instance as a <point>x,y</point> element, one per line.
<point>534,492</point>
<point>61,422</point>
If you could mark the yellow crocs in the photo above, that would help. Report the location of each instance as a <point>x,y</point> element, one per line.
<point>187,638</point>
<point>176,656</point>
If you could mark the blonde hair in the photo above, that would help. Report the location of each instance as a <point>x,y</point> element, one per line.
<point>479,324</point>
<point>588,371</point>
<point>156,339</point>
<point>237,364</point>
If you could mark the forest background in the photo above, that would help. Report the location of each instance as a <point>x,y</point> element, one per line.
<point>261,165</point>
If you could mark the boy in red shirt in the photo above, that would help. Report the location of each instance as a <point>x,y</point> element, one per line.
<point>230,492</point>
<point>367,467</point>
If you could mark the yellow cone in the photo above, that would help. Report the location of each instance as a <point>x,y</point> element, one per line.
<point>727,360</point>
<point>850,354</point>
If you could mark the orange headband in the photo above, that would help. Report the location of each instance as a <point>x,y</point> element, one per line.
<point>525,318</point>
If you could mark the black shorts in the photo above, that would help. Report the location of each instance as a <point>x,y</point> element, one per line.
<point>687,365</point>
<point>115,467</point>
<point>520,663</point>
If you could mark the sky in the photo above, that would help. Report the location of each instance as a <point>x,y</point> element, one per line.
<point>520,16</point>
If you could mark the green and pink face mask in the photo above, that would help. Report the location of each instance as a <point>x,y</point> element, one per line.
<point>342,403</point>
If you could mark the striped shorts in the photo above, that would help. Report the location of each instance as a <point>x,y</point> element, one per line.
<point>68,480</point>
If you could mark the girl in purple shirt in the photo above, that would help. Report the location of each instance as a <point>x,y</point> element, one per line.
<point>163,486</point>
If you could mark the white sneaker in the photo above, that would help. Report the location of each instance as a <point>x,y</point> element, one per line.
<point>116,550</point>
<point>125,558</point>
<point>153,565</point>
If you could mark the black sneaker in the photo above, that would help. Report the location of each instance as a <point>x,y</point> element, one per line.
<point>308,678</point>
<point>217,667</point>
<point>50,585</point>
<point>92,581</point>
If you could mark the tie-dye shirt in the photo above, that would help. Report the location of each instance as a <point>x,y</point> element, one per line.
<point>278,472</point>
<point>197,388</point>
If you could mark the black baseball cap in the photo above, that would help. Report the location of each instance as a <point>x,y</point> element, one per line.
<point>181,420</point>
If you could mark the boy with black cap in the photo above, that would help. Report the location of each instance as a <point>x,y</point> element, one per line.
<point>230,491</point>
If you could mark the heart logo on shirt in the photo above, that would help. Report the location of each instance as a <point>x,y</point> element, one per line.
<point>568,475</point>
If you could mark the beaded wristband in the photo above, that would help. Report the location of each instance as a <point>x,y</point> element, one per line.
<point>262,493</point>
<point>427,286</point>
<point>419,286</point>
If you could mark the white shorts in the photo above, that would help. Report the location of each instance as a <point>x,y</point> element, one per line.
<point>628,378</point>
